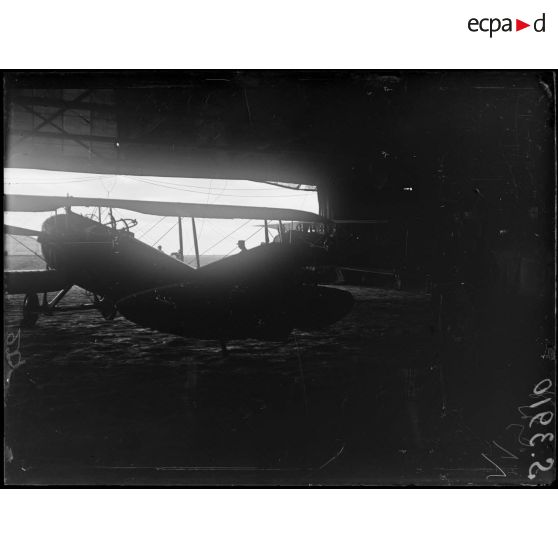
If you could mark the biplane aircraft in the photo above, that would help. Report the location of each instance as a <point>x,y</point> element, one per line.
<point>262,293</point>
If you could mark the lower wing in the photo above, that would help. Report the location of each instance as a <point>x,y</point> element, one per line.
<point>34,281</point>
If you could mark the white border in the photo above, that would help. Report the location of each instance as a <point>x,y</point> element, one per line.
<point>286,34</point>
<point>264,34</point>
<point>276,523</point>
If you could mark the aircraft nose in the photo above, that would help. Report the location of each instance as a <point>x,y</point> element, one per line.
<point>54,224</point>
<point>66,223</point>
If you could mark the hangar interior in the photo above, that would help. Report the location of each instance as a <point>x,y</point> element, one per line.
<point>442,188</point>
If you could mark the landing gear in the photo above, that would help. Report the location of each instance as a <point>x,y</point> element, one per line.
<point>31,309</point>
<point>107,308</point>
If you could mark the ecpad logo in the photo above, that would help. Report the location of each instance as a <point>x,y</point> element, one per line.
<point>493,25</point>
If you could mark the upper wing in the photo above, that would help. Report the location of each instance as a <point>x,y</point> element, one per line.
<point>17,202</point>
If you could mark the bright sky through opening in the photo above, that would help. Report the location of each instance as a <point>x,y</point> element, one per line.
<point>215,236</point>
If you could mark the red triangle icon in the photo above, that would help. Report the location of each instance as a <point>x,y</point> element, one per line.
<point>519,25</point>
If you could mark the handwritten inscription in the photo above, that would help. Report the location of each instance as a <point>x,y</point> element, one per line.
<point>12,355</point>
<point>506,455</point>
<point>534,438</point>
<point>542,418</point>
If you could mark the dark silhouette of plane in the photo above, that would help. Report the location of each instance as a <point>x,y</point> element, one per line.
<point>262,293</point>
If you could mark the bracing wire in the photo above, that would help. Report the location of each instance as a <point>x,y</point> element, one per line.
<point>254,233</point>
<point>25,246</point>
<point>36,182</point>
<point>219,241</point>
<point>161,238</point>
<point>203,190</point>
<point>152,227</point>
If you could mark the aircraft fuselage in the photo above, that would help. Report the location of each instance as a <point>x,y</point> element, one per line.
<point>262,293</point>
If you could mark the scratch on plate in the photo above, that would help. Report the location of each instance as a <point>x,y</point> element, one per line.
<point>333,458</point>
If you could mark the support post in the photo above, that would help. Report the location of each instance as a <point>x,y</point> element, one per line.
<point>266,232</point>
<point>180,241</point>
<point>196,243</point>
<point>59,296</point>
<point>99,208</point>
<point>281,231</point>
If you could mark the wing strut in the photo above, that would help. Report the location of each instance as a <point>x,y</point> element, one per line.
<point>266,232</point>
<point>196,243</point>
<point>180,241</point>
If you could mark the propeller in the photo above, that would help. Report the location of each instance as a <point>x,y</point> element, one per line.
<point>18,202</point>
<point>20,231</point>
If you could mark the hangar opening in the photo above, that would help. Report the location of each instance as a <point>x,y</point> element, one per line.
<point>216,238</point>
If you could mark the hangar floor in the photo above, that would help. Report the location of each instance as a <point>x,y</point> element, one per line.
<point>375,399</point>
